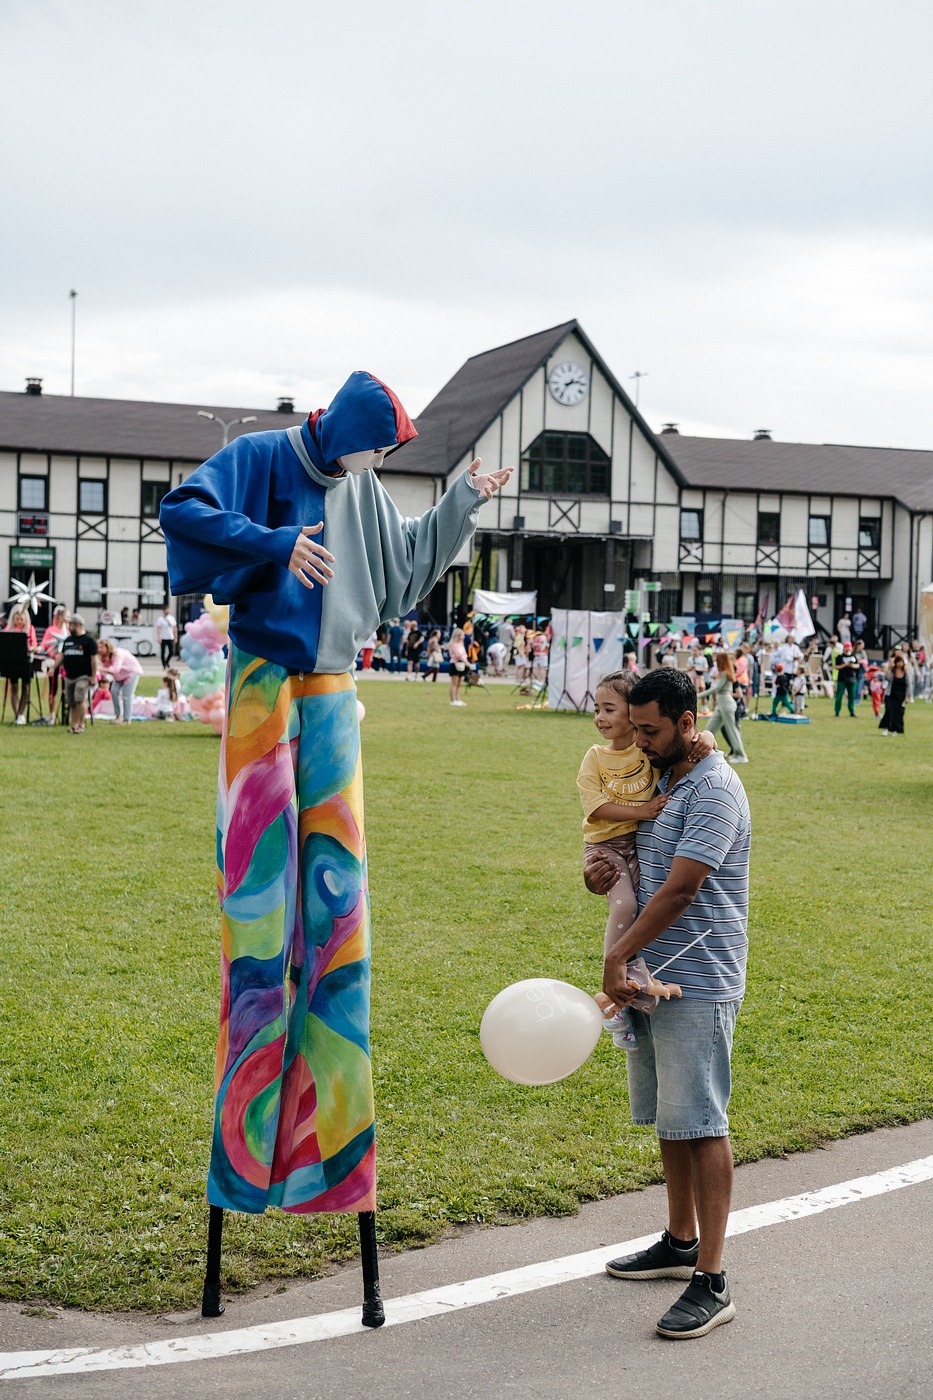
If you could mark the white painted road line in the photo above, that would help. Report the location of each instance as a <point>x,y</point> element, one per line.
<point>25,1365</point>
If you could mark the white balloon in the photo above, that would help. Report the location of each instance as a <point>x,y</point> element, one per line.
<point>539,1030</point>
<point>361,710</point>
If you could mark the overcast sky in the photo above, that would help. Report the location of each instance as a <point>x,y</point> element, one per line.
<point>252,199</point>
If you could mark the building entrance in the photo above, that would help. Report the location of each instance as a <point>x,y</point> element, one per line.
<point>565,573</point>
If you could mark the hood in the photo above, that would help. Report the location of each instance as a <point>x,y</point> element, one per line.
<point>363,415</point>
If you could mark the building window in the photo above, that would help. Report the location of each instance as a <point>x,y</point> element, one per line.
<point>691,524</point>
<point>707,596</point>
<point>769,527</point>
<point>869,532</point>
<point>92,497</point>
<point>33,493</point>
<point>153,591</point>
<point>153,492</point>
<point>819,530</point>
<point>571,464</point>
<point>90,587</point>
<point>746,606</point>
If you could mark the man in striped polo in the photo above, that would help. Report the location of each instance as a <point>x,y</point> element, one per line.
<point>694,878</point>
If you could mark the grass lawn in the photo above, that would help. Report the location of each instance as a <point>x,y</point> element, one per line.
<point>109,981</point>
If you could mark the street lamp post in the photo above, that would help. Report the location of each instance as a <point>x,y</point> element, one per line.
<point>250,418</point>
<point>74,302</point>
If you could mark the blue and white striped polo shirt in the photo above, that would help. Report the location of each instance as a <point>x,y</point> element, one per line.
<point>707,819</point>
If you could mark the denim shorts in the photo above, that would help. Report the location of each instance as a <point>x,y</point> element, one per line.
<point>680,1076</point>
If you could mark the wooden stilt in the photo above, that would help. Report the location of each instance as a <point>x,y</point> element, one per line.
<point>373,1311</point>
<point>211,1306</point>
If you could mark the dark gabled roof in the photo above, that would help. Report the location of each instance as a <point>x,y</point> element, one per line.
<point>473,399</point>
<point>122,427</point>
<point>820,469</point>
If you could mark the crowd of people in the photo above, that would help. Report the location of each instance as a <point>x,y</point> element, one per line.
<point>83,673</point>
<point>480,647</point>
<point>788,674</point>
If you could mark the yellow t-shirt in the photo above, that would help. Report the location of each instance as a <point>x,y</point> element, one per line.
<point>607,775</point>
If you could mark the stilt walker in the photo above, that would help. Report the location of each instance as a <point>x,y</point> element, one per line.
<point>294,530</point>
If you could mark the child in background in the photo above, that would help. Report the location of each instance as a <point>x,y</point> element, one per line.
<point>167,696</point>
<point>434,656</point>
<point>799,691</point>
<point>780,689</point>
<point>618,788</point>
<point>876,687</point>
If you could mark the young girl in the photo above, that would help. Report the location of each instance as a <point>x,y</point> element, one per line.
<point>458,664</point>
<point>618,789</point>
<point>434,656</point>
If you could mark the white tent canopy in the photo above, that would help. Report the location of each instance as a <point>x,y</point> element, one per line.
<point>485,601</point>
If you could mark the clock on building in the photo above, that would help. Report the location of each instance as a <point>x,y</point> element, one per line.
<point>568,382</point>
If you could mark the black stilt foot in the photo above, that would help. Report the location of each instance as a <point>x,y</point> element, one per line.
<point>211,1306</point>
<point>373,1311</point>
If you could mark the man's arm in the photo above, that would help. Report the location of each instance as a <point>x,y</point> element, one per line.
<point>664,908</point>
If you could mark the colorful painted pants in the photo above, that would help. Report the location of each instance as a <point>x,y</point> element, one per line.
<point>293,1115</point>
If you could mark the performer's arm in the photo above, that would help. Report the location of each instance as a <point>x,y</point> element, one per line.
<point>417,552</point>
<point>207,528</point>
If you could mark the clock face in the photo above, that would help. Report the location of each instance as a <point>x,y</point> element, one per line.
<point>568,382</point>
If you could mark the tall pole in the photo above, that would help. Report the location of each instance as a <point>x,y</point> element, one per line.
<point>638,376</point>
<point>74,302</point>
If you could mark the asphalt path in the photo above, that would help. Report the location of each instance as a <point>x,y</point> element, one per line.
<point>832,1305</point>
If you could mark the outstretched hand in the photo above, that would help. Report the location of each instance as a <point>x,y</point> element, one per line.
<point>308,558</point>
<point>488,483</point>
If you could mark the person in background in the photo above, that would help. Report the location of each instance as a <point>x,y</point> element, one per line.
<point>847,669</point>
<point>876,687</point>
<point>724,712</point>
<point>434,656</point>
<point>167,630</point>
<point>780,689</point>
<point>456,650</point>
<point>497,653</point>
<point>124,672</point>
<point>892,721</point>
<point>861,656</point>
<point>505,633</point>
<point>396,637</point>
<point>381,655</point>
<point>859,623</point>
<point>522,659</point>
<point>124,617</point>
<point>413,649</point>
<point>135,622</point>
<point>369,646</point>
<point>49,647</point>
<point>742,677</point>
<point>19,684</point>
<point>844,627</point>
<point>77,660</point>
<point>167,696</point>
<point>799,691</point>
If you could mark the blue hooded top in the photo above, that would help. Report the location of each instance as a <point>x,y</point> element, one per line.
<point>230,529</point>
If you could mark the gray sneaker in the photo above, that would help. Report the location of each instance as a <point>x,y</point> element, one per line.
<point>660,1260</point>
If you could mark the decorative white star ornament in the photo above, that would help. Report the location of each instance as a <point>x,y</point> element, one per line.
<point>29,595</point>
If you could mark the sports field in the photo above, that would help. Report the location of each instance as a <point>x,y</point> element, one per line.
<point>110,981</point>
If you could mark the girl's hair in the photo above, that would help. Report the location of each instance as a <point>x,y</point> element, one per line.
<point>168,680</point>
<point>725,665</point>
<point>457,634</point>
<point>106,642</point>
<point>622,682</point>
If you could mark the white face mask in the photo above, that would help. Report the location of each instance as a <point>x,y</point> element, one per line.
<point>356,463</point>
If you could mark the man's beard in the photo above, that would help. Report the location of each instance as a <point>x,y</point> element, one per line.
<point>671,757</point>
